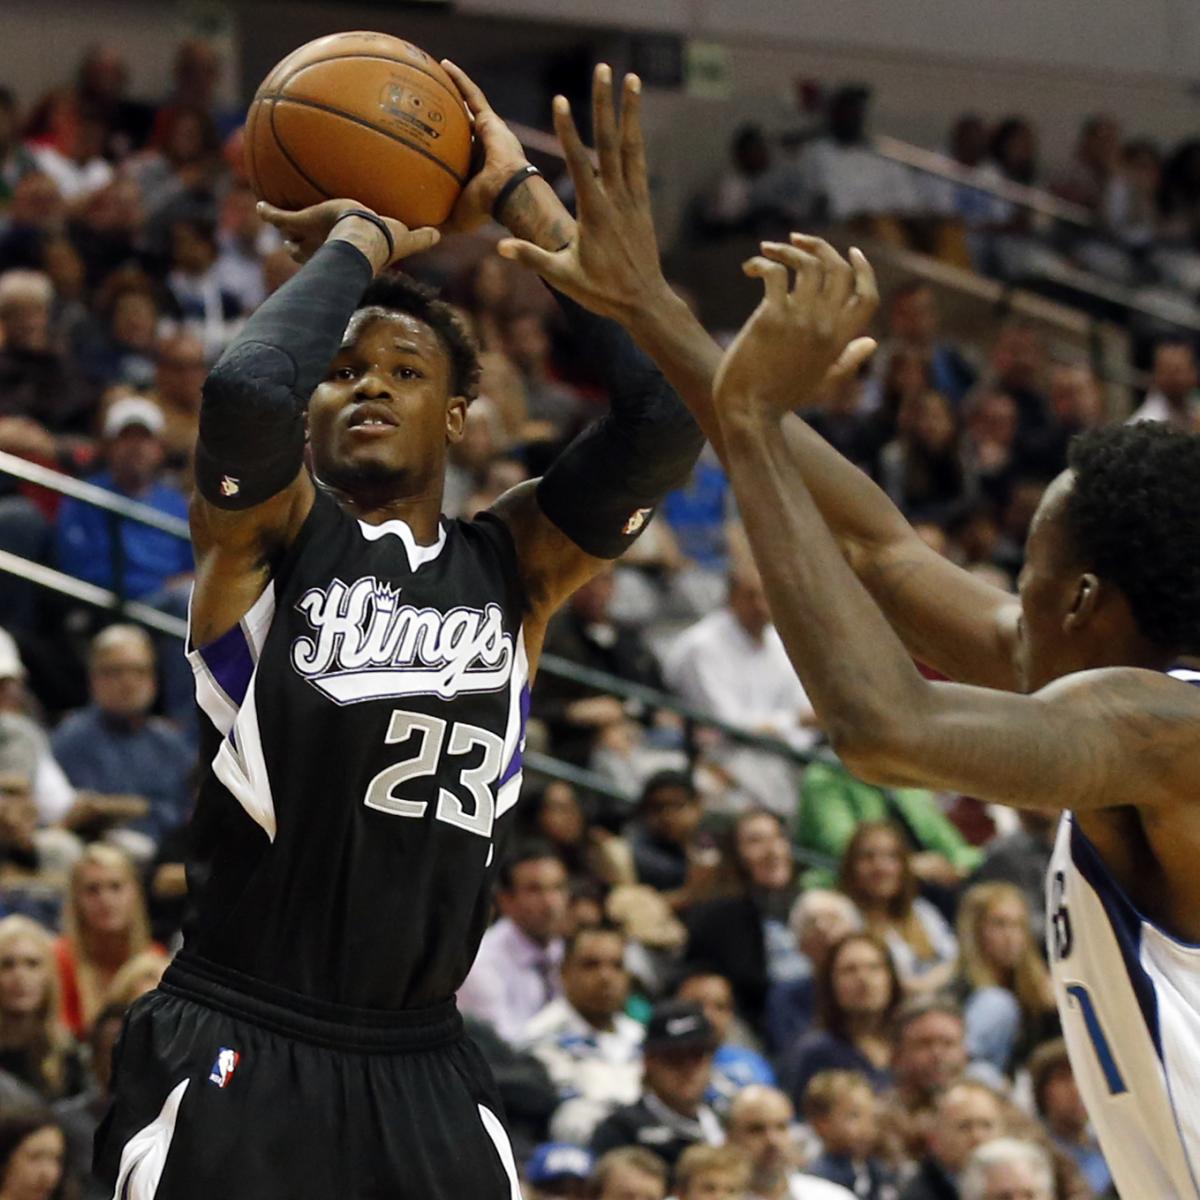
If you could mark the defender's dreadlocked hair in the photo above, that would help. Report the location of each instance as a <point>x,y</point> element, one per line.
<point>1133,515</point>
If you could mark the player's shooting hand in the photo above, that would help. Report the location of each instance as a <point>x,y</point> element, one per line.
<point>804,334</point>
<point>611,265</point>
<point>497,155</point>
<point>306,230</point>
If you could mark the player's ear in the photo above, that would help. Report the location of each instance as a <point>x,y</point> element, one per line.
<point>1084,603</point>
<point>456,418</point>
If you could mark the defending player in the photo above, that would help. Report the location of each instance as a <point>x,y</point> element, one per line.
<point>1071,697</point>
<point>364,664</point>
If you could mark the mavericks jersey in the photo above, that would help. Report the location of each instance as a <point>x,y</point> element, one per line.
<point>365,728</point>
<point>1129,997</point>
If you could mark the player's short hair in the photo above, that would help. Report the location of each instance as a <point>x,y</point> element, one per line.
<point>973,1185</point>
<point>529,850</point>
<point>826,1088</point>
<point>701,1158</point>
<point>636,1158</point>
<point>1131,517</point>
<point>397,293</point>
<point>916,1007</point>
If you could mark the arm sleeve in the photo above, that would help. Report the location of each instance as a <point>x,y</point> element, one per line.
<point>251,442</point>
<point>604,487</point>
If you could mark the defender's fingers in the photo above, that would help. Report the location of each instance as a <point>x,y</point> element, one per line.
<point>413,241</point>
<point>852,358</point>
<point>470,91</point>
<point>773,275</point>
<point>579,162</point>
<point>604,125</point>
<point>279,217</point>
<point>839,275</point>
<point>633,145</point>
<point>866,287</point>
<point>808,268</point>
<point>548,264</point>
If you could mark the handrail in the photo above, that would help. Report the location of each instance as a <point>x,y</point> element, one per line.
<point>67,485</point>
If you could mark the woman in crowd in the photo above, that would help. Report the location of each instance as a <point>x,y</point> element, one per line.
<point>34,1045</point>
<point>32,1151</point>
<point>105,924</point>
<point>877,874</point>
<point>1004,986</point>
<point>858,992</point>
<point>141,974</point>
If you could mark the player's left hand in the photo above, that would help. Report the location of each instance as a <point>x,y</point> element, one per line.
<point>804,334</point>
<point>502,156</point>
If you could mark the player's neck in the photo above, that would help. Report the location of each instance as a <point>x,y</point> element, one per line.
<point>421,511</point>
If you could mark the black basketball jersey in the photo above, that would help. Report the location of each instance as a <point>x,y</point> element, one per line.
<point>364,758</point>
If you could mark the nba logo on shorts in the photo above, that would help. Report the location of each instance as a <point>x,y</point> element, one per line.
<point>224,1067</point>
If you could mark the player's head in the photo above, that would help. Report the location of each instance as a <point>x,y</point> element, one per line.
<point>396,394</point>
<point>1112,564</point>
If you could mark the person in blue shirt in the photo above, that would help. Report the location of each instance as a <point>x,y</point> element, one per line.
<point>141,560</point>
<point>1061,1109</point>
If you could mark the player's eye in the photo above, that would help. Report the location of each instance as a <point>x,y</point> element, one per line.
<point>344,372</point>
<point>408,373</point>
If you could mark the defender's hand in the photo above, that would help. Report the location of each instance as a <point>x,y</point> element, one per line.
<point>611,265</point>
<point>802,335</point>
<point>306,230</point>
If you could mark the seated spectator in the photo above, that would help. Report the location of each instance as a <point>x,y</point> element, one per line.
<point>35,217</point>
<point>1093,170</point>
<point>841,1108</point>
<point>1017,367</point>
<point>629,1173</point>
<point>876,873</point>
<point>760,1125</point>
<point>745,938</point>
<point>204,307</point>
<point>966,1115</point>
<point>179,376</point>
<point>105,926</point>
<point>818,921</point>
<point>1077,406</point>
<point>913,324</point>
<point>591,1049</point>
<point>16,160</point>
<point>33,861</point>
<point>712,1173</point>
<point>558,1169</point>
<point>735,1065</point>
<point>736,200</point>
<point>668,814</point>
<point>108,232</point>
<point>141,974</point>
<point>117,346</point>
<point>556,815</point>
<point>1174,397</point>
<point>671,1114</point>
<point>80,1116</point>
<point>67,142</point>
<point>555,411</point>
<point>991,449</point>
<point>101,87</point>
<point>1008,1000</point>
<point>469,458</point>
<point>242,240</point>
<point>732,664</point>
<point>841,417</point>
<point>858,992</point>
<point>146,560</point>
<point>1062,1112</point>
<point>35,1047</point>
<point>516,972</point>
<point>698,516</point>
<point>115,746</point>
<point>1023,857</point>
<point>180,161</point>
<point>921,468</point>
<point>1004,1168</point>
<point>32,1156</point>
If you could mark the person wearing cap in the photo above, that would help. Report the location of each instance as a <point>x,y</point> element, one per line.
<point>670,1115</point>
<point>142,560</point>
<point>558,1169</point>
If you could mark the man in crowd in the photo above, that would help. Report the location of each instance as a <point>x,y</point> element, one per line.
<point>178,377</point>
<point>913,324</point>
<point>966,1115</point>
<point>1174,398</point>
<point>630,1173</point>
<point>668,813</point>
<point>558,1171</point>
<point>1061,1109</point>
<point>1008,1169</point>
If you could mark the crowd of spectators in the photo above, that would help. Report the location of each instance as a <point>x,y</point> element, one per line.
<point>734,970</point>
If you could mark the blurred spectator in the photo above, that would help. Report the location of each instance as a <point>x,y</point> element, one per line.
<point>1008,1169</point>
<point>178,380</point>
<point>177,172</point>
<point>557,816</point>
<point>877,874</point>
<point>117,347</point>
<point>36,214</point>
<point>857,995</point>
<point>967,1114</point>
<point>1077,405</point>
<point>196,73</point>
<point>841,1108</point>
<point>630,1173</point>
<point>140,560</point>
<point>242,240</point>
<point>67,142</point>
<point>745,938</point>
<point>32,1154</point>
<point>15,159</point>
<point>1092,175</point>
<point>735,1066</point>
<point>840,417</point>
<point>1017,367</point>
<point>1023,857</point>
<point>470,457</point>
<point>921,469</point>
<point>105,925</point>
<point>698,515</point>
<point>732,664</point>
<point>914,324</point>
<point>487,294</point>
<point>1174,398</point>
<point>141,974</point>
<point>1061,1109</point>
<point>558,1169</point>
<point>516,972</point>
<point>555,411</point>
<point>975,208</point>
<point>203,303</point>
<point>101,88</point>
<point>668,815</point>
<point>760,1125</point>
<point>33,861</point>
<point>991,449</point>
<point>737,200</point>
<point>712,1173</point>
<point>1008,1000</point>
<point>35,1047</point>
<point>1132,212</point>
<point>671,1114</point>
<point>591,1049</point>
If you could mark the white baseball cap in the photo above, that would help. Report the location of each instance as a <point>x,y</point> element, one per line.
<point>11,666</point>
<point>130,411</point>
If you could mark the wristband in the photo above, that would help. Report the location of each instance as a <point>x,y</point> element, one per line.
<point>518,178</point>
<point>375,219</point>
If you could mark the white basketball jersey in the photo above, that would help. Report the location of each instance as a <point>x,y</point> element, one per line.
<point>1129,997</point>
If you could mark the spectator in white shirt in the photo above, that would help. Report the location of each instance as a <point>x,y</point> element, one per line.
<point>591,1049</point>
<point>1174,398</point>
<point>516,973</point>
<point>733,665</point>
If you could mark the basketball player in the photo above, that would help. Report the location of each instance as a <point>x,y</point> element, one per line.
<point>364,665</point>
<point>1070,696</point>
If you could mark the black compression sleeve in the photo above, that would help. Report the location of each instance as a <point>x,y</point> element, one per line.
<point>251,442</point>
<point>604,487</point>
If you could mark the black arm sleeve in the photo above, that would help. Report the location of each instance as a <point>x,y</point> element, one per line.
<point>604,487</point>
<point>251,440</point>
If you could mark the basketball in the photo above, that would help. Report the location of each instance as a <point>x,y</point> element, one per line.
<point>365,116</point>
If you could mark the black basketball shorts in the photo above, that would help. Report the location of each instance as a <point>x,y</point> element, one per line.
<point>222,1092</point>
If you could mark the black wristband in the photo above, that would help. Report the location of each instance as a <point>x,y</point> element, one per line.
<point>376,220</point>
<point>518,178</point>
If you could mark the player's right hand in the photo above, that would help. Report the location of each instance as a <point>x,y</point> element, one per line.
<point>306,230</point>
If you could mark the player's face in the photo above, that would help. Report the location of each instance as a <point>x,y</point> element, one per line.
<point>23,977</point>
<point>384,415</point>
<point>36,1166</point>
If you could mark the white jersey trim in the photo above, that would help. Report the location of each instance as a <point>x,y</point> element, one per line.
<point>418,556</point>
<point>144,1156</point>
<point>495,1130</point>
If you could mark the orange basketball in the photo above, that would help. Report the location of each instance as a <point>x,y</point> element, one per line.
<point>365,116</point>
